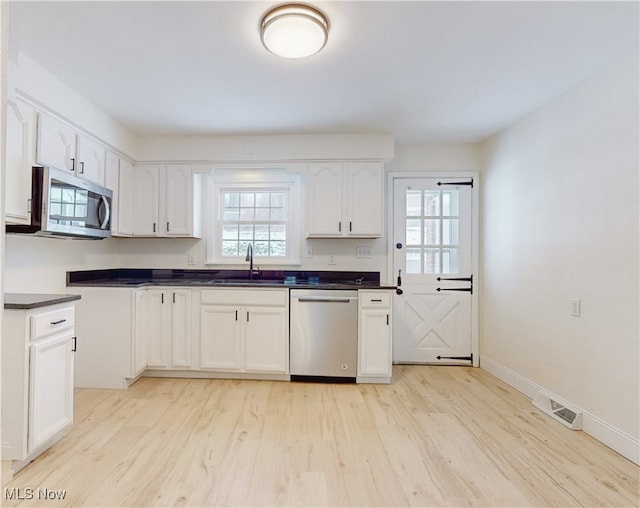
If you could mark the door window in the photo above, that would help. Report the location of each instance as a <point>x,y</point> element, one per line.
<point>432,231</point>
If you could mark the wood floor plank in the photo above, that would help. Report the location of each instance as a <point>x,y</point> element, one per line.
<point>436,436</point>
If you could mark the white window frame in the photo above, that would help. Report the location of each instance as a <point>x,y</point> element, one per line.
<point>247,179</point>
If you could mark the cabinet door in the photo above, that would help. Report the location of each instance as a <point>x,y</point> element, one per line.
<point>220,339</point>
<point>181,328</point>
<point>51,388</point>
<point>91,160</point>
<point>178,194</point>
<point>125,222</point>
<point>324,200</point>
<point>139,349</point>
<point>154,317</point>
<point>364,198</point>
<point>374,347</point>
<point>19,160</point>
<point>111,181</point>
<point>55,143</point>
<point>145,200</point>
<point>266,339</point>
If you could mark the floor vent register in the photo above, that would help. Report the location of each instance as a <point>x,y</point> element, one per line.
<point>558,410</point>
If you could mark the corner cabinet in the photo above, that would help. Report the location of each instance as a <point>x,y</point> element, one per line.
<point>37,387</point>
<point>345,200</point>
<point>375,332</point>
<point>245,330</point>
<point>163,201</point>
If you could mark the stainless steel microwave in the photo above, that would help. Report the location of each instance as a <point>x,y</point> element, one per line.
<point>68,206</point>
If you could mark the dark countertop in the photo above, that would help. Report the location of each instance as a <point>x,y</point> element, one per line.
<point>23,301</point>
<point>134,278</point>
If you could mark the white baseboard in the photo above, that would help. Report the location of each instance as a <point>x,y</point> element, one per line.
<point>624,444</point>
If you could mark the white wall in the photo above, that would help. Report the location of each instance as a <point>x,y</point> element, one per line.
<point>39,265</point>
<point>560,221</point>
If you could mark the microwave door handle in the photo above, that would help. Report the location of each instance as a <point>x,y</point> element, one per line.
<point>107,212</point>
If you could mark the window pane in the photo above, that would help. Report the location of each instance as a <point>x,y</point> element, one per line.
<point>247,199</point>
<point>247,213</point>
<point>278,199</point>
<point>261,248</point>
<point>450,232</point>
<point>246,232</point>
<point>450,261</point>
<point>278,214</point>
<point>432,261</point>
<point>68,196</point>
<point>432,231</point>
<point>278,232</point>
<point>432,203</point>
<point>81,211</point>
<point>413,236</point>
<point>413,260</point>
<point>231,214</point>
<point>450,202</point>
<point>231,199</point>
<point>229,248</point>
<point>242,247</point>
<point>261,232</point>
<point>262,199</point>
<point>262,214</point>
<point>413,203</point>
<point>230,232</point>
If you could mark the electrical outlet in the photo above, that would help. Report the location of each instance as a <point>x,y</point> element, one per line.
<point>332,259</point>
<point>575,307</point>
<point>309,251</point>
<point>191,259</point>
<point>363,251</point>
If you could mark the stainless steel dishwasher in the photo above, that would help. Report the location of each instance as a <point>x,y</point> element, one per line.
<point>323,335</point>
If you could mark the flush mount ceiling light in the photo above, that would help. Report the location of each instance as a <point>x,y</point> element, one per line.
<point>294,30</point>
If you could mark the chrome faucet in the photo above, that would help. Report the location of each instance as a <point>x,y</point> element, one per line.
<point>249,258</point>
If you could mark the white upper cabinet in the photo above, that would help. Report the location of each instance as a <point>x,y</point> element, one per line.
<point>91,160</point>
<point>19,160</point>
<point>145,188</point>
<point>345,199</point>
<point>163,201</point>
<point>124,225</point>
<point>55,143</point>
<point>59,145</point>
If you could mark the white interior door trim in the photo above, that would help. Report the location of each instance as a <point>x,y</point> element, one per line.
<point>475,240</point>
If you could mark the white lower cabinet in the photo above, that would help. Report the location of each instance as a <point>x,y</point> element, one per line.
<point>163,325</point>
<point>245,330</point>
<point>375,336</point>
<point>37,379</point>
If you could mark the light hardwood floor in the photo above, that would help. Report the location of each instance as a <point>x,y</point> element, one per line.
<point>437,436</point>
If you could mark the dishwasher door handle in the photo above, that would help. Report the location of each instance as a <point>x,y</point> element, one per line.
<point>324,299</point>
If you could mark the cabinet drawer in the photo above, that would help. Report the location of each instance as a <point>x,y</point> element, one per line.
<point>239,297</point>
<point>46,323</point>
<point>371,299</point>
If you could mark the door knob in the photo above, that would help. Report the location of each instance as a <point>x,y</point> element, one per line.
<point>398,245</point>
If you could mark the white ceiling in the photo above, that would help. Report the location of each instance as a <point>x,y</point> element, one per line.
<point>423,71</point>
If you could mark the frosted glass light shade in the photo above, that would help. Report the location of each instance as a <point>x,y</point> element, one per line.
<point>294,30</point>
